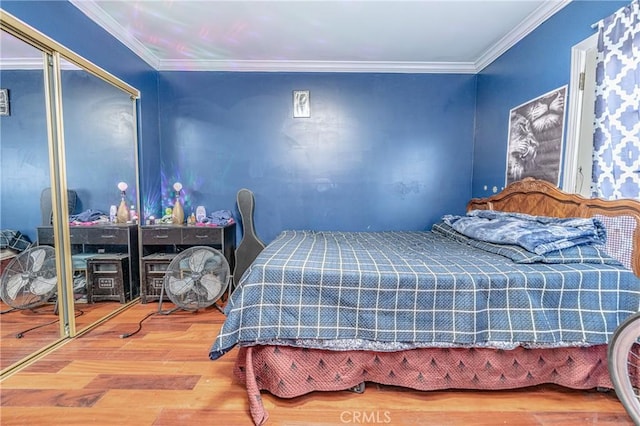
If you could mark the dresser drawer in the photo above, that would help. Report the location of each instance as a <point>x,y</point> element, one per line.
<point>45,235</point>
<point>77,235</point>
<point>107,235</point>
<point>161,236</point>
<point>201,235</point>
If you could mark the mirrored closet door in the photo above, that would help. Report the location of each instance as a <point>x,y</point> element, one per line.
<point>101,170</point>
<point>68,154</point>
<point>28,282</point>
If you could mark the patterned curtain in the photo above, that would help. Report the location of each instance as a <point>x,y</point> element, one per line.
<point>616,140</point>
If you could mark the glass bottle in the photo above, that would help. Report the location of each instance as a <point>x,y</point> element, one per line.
<point>122,216</point>
<point>177,215</point>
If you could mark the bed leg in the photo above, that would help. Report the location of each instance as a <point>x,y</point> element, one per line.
<point>358,388</point>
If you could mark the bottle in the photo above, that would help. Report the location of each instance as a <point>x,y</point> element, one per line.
<point>122,214</point>
<point>133,216</point>
<point>113,212</point>
<point>177,214</point>
<point>201,214</point>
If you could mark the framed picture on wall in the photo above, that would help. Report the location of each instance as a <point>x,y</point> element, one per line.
<point>4,102</point>
<point>536,130</point>
<point>301,104</point>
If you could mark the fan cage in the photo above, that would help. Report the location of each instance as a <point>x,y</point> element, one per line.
<point>197,278</point>
<point>30,279</point>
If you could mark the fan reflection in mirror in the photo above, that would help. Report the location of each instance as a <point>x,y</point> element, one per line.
<point>30,279</point>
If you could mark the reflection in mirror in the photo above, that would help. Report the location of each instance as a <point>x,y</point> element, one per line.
<point>100,151</point>
<point>29,320</point>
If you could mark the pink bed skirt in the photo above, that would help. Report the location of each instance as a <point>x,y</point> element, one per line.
<point>288,372</point>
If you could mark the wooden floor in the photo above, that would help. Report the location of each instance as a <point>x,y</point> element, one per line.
<point>40,327</point>
<point>162,376</point>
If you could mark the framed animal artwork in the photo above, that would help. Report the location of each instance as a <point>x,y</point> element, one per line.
<point>536,130</point>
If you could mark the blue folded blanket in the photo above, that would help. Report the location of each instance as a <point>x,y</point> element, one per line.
<point>537,234</point>
<point>220,218</point>
<point>88,215</point>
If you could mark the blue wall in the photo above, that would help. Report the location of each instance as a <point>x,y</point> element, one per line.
<point>99,132</point>
<point>539,63</point>
<point>63,22</point>
<point>380,151</point>
<point>24,152</point>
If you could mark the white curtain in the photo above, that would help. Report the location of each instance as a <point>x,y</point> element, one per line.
<point>616,154</point>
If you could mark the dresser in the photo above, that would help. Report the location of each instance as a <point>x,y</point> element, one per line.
<point>115,243</point>
<point>160,243</point>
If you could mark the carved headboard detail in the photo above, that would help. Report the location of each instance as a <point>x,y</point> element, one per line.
<point>541,198</point>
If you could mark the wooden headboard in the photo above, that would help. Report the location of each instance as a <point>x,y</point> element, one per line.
<point>541,198</point>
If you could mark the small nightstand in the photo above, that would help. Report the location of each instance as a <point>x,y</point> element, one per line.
<point>154,267</point>
<point>106,277</point>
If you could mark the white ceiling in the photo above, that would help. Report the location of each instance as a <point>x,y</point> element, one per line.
<point>452,36</point>
<point>383,36</point>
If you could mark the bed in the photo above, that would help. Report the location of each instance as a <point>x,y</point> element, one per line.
<point>438,309</point>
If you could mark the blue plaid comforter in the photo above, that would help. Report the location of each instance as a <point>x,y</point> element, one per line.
<point>422,289</point>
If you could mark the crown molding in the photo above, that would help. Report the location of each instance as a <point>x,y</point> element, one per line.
<point>22,63</point>
<point>113,27</point>
<point>530,23</point>
<point>319,66</point>
<point>25,64</point>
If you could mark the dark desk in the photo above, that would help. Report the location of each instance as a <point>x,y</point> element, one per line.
<point>171,239</point>
<point>175,238</point>
<point>104,239</point>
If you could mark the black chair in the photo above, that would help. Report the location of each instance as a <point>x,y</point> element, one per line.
<point>46,209</point>
<point>79,262</point>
